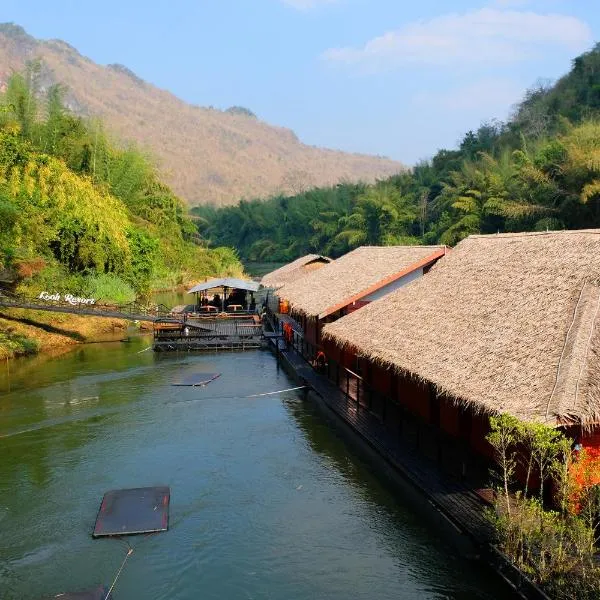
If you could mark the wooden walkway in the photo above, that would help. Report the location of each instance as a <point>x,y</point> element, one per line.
<point>456,500</point>
<point>133,311</point>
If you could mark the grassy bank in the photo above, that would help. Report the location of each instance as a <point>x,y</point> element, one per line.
<point>25,332</point>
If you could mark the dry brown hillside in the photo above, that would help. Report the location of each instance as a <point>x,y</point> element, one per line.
<point>207,155</point>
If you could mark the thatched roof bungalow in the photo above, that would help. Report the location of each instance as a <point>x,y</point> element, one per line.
<point>504,324</point>
<point>359,276</point>
<point>354,280</point>
<point>294,270</point>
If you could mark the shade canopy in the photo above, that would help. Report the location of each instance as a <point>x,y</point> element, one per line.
<point>228,282</point>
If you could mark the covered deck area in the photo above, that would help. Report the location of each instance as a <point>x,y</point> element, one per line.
<point>226,296</point>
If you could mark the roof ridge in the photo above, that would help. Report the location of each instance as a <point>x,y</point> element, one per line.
<point>491,236</point>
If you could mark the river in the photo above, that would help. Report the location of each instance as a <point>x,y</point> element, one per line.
<point>266,501</point>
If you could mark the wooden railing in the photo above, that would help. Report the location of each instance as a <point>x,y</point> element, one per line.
<point>209,330</point>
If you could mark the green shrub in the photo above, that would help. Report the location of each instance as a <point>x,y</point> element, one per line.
<point>107,287</point>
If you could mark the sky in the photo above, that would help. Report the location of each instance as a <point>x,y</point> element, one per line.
<point>396,78</point>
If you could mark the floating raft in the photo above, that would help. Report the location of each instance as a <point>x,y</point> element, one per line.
<point>130,512</point>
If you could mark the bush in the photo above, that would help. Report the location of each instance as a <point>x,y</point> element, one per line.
<point>555,546</point>
<point>108,288</point>
<point>12,344</point>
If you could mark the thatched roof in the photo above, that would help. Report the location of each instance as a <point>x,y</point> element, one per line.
<point>354,276</point>
<point>505,323</point>
<point>294,270</point>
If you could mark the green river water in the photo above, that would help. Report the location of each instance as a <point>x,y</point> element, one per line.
<point>266,501</point>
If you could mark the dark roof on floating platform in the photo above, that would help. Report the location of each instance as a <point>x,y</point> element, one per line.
<point>129,512</point>
<point>228,282</point>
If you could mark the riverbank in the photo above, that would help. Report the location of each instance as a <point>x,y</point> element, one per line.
<point>27,332</point>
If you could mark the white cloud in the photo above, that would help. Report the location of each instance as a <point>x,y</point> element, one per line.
<point>511,3</point>
<point>307,4</point>
<point>488,35</point>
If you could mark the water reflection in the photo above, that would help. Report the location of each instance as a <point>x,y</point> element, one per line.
<point>266,501</point>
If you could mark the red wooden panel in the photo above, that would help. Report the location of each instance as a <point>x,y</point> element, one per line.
<point>381,380</point>
<point>414,396</point>
<point>449,417</point>
<point>480,427</point>
<point>355,306</point>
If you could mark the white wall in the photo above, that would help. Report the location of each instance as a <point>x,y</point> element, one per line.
<point>394,285</point>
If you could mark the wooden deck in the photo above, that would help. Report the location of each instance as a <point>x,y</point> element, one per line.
<point>219,334</point>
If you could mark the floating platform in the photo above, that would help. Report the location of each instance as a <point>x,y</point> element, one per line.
<point>134,511</point>
<point>217,334</point>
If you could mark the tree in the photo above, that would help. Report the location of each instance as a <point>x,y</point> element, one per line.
<point>381,216</point>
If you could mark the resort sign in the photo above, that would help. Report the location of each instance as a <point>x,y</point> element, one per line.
<point>69,298</point>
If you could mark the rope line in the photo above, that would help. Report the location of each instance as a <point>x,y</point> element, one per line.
<point>300,387</point>
<point>129,553</point>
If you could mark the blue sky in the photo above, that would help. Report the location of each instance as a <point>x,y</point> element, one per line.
<point>388,77</point>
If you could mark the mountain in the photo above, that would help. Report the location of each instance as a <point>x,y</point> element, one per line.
<point>538,171</point>
<point>206,155</point>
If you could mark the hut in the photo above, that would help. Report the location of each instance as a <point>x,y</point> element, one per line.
<point>504,324</point>
<point>352,281</point>
<point>236,289</point>
<point>294,270</point>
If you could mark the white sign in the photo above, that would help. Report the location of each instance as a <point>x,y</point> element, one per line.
<point>67,298</point>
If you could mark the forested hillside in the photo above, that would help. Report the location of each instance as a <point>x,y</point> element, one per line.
<point>80,214</point>
<point>204,154</point>
<point>540,170</point>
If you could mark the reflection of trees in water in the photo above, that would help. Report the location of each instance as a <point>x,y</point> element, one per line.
<point>66,363</point>
<point>324,440</point>
<point>40,425</point>
<point>420,554</point>
<point>28,456</point>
